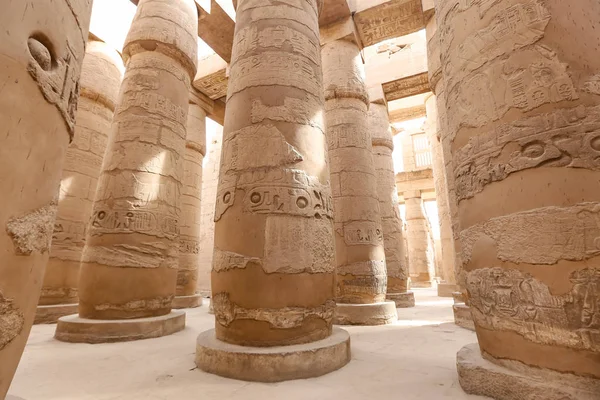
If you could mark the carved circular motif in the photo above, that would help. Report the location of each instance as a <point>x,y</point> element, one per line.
<point>595,143</point>
<point>227,197</point>
<point>101,214</point>
<point>302,202</point>
<point>40,53</point>
<point>533,150</point>
<point>255,198</point>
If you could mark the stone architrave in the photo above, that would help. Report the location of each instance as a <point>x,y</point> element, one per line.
<point>42,45</point>
<point>101,76</point>
<point>523,112</point>
<point>129,266</point>
<point>420,243</point>
<point>360,253</point>
<point>391,223</point>
<point>186,294</point>
<point>273,268</point>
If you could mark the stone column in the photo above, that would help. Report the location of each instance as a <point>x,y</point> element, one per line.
<point>129,266</point>
<point>42,45</point>
<point>273,266</point>
<point>186,292</point>
<point>420,243</point>
<point>448,286</point>
<point>523,108</point>
<point>395,257</point>
<point>101,76</point>
<point>360,254</point>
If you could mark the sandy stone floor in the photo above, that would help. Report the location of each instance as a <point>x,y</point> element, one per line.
<point>413,359</point>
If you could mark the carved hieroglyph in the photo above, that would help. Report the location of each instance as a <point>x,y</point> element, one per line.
<point>191,201</point>
<point>129,266</point>
<point>273,264</point>
<point>383,146</point>
<point>441,191</point>
<point>101,76</point>
<point>524,139</point>
<point>360,256</point>
<point>421,262</point>
<point>42,44</point>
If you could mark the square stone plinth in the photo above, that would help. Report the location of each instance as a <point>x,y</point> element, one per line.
<point>74,329</point>
<point>272,364</point>
<point>402,300</point>
<point>512,380</point>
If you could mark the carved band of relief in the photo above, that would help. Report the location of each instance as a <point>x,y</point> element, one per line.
<point>226,312</point>
<point>306,111</point>
<point>358,233</point>
<point>113,221</point>
<point>510,300</point>
<point>371,267</point>
<point>153,103</point>
<point>137,305</point>
<point>564,138</point>
<point>389,20</point>
<point>542,237</point>
<point>272,68</point>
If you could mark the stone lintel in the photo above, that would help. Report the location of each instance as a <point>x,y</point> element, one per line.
<point>216,28</point>
<point>387,19</point>
<point>406,87</point>
<point>412,194</point>
<point>365,314</point>
<point>201,100</point>
<point>340,30</point>
<point>428,7</point>
<point>377,96</point>
<point>74,329</point>
<point>511,380</point>
<point>406,114</point>
<point>211,78</point>
<point>409,176</point>
<point>334,10</point>
<point>272,364</point>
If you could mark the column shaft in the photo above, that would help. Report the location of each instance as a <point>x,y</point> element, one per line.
<point>395,256</point>
<point>129,267</point>
<point>42,45</point>
<point>101,76</point>
<point>191,202</point>
<point>420,242</point>
<point>523,107</point>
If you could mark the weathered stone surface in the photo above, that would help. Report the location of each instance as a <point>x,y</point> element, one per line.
<point>511,380</point>
<point>366,314</point>
<point>101,75</point>
<point>395,254</point>
<point>42,45</point>
<point>522,134</point>
<point>420,242</point>
<point>273,268</point>
<point>51,313</point>
<point>273,364</point>
<point>75,329</point>
<point>129,267</point>
<point>360,252</point>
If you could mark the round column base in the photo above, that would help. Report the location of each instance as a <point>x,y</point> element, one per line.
<point>51,313</point>
<point>365,314</point>
<point>74,329</point>
<point>512,380</point>
<point>446,290</point>
<point>272,364</point>
<point>402,300</point>
<point>193,301</point>
<point>421,285</point>
<point>463,317</point>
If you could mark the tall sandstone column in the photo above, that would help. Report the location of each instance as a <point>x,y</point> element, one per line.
<point>129,267</point>
<point>273,267</point>
<point>360,253</point>
<point>420,242</point>
<point>523,102</point>
<point>42,45</point>
<point>395,257</point>
<point>433,131</point>
<point>101,76</point>
<point>191,202</point>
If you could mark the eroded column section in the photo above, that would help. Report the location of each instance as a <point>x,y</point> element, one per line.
<point>395,257</point>
<point>186,295</point>
<point>101,76</point>
<point>523,109</point>
<point>129,268</point>
<point>360,255</point>
<point>420,242</point>
<point>42,45</point>
<point>273,266</point>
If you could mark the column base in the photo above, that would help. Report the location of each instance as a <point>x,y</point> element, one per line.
<point>272,364</point>
<point>365,314</point>
<point>446,289</point>
<point>193,301</point>
<point>512,380</point>
<point>51,313</point>
<point>463,317</point>
<point>211,309</point>
<point>421,285</point>
<point>74,329</point>
<point>402,300</point>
